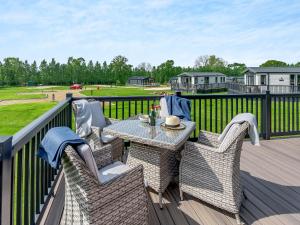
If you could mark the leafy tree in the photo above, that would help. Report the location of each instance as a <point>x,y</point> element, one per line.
<point>165,71</point>
<point>274,63</point>
<point>119,69</point>
<point>15,72</point>
<point>209,61</point>
<point>297,64</point>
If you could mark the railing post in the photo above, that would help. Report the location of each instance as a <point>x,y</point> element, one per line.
<point>6,176</point>
<point>267,112</point>
<point>178,93</point>
<point>69,97</point>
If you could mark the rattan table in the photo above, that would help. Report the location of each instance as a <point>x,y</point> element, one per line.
<point>154,147</point>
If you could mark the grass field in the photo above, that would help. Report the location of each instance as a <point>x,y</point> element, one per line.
<point>212,115</point>
<point>121,91</point>
<point>15,117</point>
<point>15,93</point>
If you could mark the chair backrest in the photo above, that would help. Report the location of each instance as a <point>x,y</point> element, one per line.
<point>85,118</point>
<point>163,108</point>
<point>75,169</point>
<point>234,137</point>
<point>98,119</point>
<point>86,153</point>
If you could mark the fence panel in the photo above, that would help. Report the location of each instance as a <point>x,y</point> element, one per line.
<point>26,180</point>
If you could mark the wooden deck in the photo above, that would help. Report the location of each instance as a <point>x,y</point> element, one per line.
<point>271,178</point>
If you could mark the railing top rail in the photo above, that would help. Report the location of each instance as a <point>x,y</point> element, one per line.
<point>220,96</point>
<point>285,94</point>
<point>120,98</point>
<point>25,134</point>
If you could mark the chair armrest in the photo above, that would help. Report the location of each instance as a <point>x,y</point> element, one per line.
<point>94,139</point>
<point>194,147</point>
<point>110,121</point>
<point>208,138</point>
<point>103,155</point>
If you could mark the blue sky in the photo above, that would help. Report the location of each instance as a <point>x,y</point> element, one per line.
<point>151,30</point>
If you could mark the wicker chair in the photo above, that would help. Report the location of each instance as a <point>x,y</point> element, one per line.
<point>117,143</point>
<point>210,170</point>
<point>122,200</point>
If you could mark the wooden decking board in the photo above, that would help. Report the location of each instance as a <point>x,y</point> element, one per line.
<point>201,210</point>
<point>55,213</point>
<point>176,214</point>
<point>153,218</point>
<point>293,144</point>
<point>259,209</point>
<point>281,159</point>
<point>186,208</point>
<point>248,218</point>
<point>284,148</point>
<point>278,176</point>
<point>285,192</point>
<point>271,180</point>
<point>277,205</point>
<point>163,214</point>
<point>288,175</point>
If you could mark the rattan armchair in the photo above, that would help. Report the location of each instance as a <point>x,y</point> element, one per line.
<point>117,143</point>
<point>210,170</point>
<point>122,200</point>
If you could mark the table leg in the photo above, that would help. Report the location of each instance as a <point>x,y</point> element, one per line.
<point>160,165</point>
<point>160,200</point>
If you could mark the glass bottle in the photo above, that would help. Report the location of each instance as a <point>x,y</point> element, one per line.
<point>152,116</point>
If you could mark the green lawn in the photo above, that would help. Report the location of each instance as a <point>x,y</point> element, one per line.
<point>121,91</point>
<point>17,93</point>
<point>213,115</point>
<point>15,117</point>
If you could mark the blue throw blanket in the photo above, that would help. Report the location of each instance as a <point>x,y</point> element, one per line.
<point>180,107</point>
<point>55,142</point>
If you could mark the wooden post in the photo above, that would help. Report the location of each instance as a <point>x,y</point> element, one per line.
<point>6,176</point>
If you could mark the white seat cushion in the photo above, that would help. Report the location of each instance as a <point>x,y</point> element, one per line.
<point>107,138</point>
<point>111,171</point>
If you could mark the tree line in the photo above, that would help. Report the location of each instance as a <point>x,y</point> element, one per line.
<point>13,71</point>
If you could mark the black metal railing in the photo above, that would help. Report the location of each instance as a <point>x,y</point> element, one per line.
<point>188,87</point>
<point>209,112</point>
<point>27,182</point>
<point>261,89</point>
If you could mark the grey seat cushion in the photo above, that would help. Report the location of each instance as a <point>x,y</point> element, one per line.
<point>104,174</point>
<point>107,138</point>
<point>112,171</point>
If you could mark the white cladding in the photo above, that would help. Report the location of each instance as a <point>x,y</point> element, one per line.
<point>202,79</point>
<point>273,78</point>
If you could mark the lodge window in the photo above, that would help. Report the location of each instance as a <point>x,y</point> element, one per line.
<point>292,79</point>
<point>206,80</point>
<point>263,80</point>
